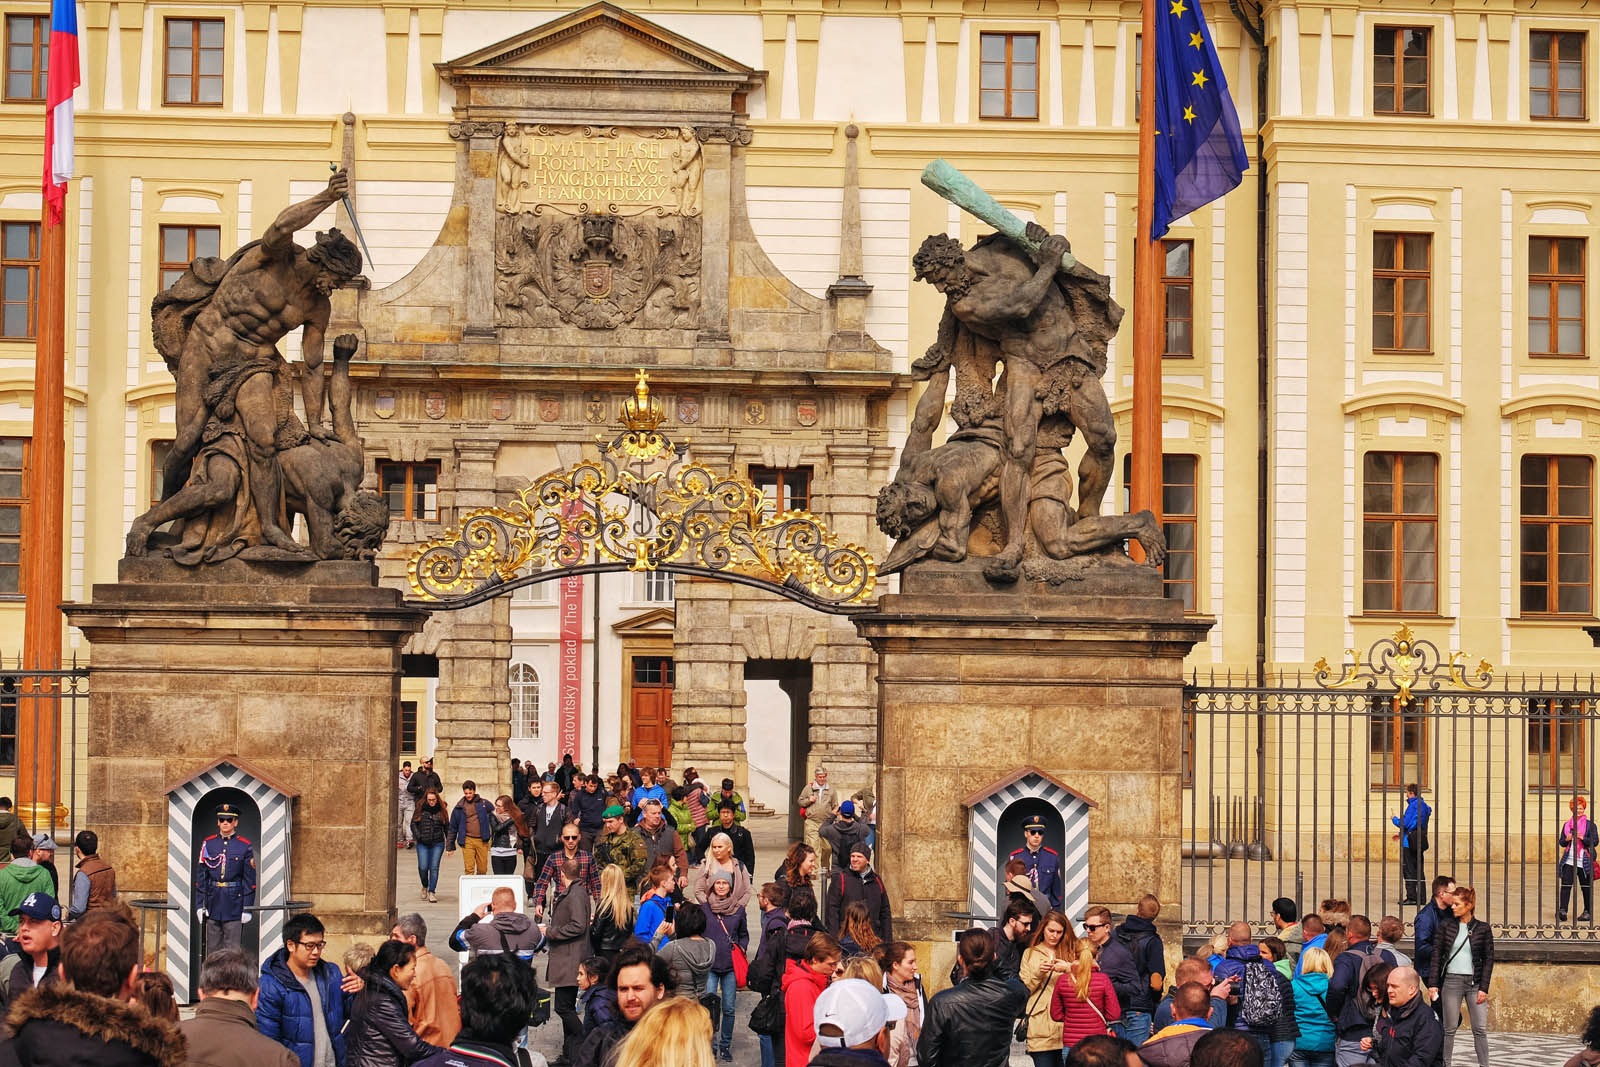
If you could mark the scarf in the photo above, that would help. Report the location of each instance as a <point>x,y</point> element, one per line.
<point>727,905</point>
<point>907,991</point>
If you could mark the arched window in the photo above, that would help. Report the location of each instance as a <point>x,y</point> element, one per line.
<point>524,702</point>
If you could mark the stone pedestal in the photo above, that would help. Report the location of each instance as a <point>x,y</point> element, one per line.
<point>293,668</point>
<point>1082,681</point>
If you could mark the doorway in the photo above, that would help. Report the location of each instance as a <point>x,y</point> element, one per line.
<point>778,695</point>
<point>650,711</point>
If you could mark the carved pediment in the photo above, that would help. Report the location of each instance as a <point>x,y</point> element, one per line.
<point>600,37</point>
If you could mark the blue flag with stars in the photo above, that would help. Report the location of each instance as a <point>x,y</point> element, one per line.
<point>1199,149</point>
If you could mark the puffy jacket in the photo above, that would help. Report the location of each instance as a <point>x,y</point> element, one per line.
<point>1408,1036</point>
<point>380,1033</point>
<point>1286,1026</point>
<point>505,931</point>
<point>652,913</point>
<point>1081,1018</point>
<point>766,970</point>
<point>1311,1013</point>
<point>970,1025</point>
<point>801,988</point>
<point>283,1011</point>
<point>1172,1045</point>
<point>1480,943</point>
<point>58,1026</point>
<point>429,827</point>
<point>1149,957</point>
<point>599,1004</point>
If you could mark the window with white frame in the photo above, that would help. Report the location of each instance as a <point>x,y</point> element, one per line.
<point>524,702</point>
<point>537,593</point>
<point>658,587</point>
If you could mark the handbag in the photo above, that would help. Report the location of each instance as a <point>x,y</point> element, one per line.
<point>766,1018</point>
<point>1021,1031</point>
<point>712,1003</point>
<point>741,963</point>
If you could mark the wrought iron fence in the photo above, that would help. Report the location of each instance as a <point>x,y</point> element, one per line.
<point>32,702</point>
<point>1291,788</point>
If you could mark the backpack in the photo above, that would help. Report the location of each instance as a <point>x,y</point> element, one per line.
<point>1135,944</point>
<point>1260,999</point>
<point>1364,1002</point>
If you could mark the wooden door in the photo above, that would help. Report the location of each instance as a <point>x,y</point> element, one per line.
<point>650,729</point>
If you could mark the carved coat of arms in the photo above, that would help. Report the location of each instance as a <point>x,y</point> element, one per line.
<point>500,406</point>
<point>688,410</point>
<point>597,272</point>
<point>433,405</point>
<point>805,412</point>
<point>595,409</point>
<point>549,409</point>
<point>383,405</point>
<point>755,413</point>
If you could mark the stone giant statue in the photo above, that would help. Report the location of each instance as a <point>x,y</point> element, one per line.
<point>243,463</point>
<point>1044,320</point>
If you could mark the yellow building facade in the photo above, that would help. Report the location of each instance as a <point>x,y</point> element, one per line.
<point>1432,408</point>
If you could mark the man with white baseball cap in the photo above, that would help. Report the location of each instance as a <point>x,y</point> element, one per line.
<point>853,1021</point>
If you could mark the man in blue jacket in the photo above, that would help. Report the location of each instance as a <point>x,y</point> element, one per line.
<point>1427,920</point>
<point>1138,934</point>
<point>302,1001</point>
<point>1413,826</point>
<point>471,827</point>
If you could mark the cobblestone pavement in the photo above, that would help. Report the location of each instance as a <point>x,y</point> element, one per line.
<point>1505,1050</point>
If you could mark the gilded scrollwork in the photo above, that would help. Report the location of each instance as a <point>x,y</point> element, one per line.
<point>1404,663</point>
<point>643,506</point>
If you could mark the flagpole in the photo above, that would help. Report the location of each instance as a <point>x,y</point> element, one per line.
<point>1145,485</point>
<point>39,719</point>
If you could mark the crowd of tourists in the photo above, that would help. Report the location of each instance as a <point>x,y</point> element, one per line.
<point>632,940</point>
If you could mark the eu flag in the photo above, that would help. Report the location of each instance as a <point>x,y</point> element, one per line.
<point>1199,149</point>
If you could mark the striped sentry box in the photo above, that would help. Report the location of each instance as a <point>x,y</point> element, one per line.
<point>985,809</point>
<point>272,862</point>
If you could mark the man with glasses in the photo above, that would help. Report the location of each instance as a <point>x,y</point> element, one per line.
<point>549,875</point>
<point>1043,864</point>
<point>225,882</point>
<point>301,1002</point>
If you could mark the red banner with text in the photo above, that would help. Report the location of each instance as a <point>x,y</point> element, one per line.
<point>570,701</point>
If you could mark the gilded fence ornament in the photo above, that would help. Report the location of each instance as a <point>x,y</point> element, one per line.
<point>642,506</point>
<point>1405,663</point>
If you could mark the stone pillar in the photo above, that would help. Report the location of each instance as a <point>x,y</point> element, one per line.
<point>974,683</point>
<point>294,668</point>
<point>472,704</point>
<point>482,140</point>
<point>716,153</point>
<point>708,701</point>
<point>849,293</point>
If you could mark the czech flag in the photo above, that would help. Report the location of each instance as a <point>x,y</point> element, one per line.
<point>63,78</point>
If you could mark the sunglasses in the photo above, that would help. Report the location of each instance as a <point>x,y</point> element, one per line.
<point>226,818</point>
<point>564,838</point>
<point>1095,926</point>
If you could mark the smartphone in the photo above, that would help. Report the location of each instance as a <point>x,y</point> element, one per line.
<point>671,912</point>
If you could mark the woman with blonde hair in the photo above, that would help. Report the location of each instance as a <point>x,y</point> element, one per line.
<point>1314,1046</point>
<point>673,1033</point>
<point>719,857</point>
<point>1050,954</point>
<point>1084,1002</point>
<point>613,916</point>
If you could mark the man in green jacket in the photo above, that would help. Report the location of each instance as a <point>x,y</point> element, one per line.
<point>17,879</point>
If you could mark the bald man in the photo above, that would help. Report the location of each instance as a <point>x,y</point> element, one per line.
<point>1411,1034</point>
<point>506,928</point>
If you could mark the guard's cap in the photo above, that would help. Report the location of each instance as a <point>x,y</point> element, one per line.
<point>612,812</point>
<point>859,1011</point>
<point>227,811</point>
<point>44,842</point>
<point>38,906</point>
<point>1034,822</point>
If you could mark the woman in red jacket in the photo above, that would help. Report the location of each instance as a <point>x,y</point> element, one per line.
<point>803,982</point>
<point>1084,1002</point>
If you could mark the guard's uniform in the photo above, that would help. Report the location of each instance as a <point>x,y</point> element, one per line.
<point>225,885</point>
<point>1044,871</point>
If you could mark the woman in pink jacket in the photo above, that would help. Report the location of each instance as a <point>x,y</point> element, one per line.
<point>1084,1002</point>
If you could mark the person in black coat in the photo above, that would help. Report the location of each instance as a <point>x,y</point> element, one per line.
<point>970,1024</point>
<point>1408,1033</point>
<point>380,1031</point>
<point>860,882</point>
<point>744,846</point>
<point>1460,975</point>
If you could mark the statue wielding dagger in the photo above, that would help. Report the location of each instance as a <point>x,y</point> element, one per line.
<point>350,209</point>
